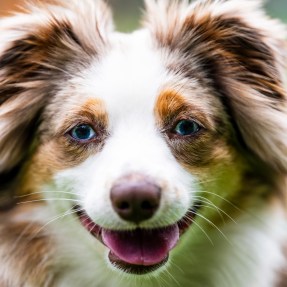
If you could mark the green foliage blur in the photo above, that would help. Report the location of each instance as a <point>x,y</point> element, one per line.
<point>127,13</point>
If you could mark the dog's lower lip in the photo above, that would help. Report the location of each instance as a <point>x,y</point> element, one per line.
<point>128,262</point>
<point>134,269</point>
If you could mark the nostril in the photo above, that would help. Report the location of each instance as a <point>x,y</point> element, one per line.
<point>124,205</point>
<point>147,205</point>
<point>135,199</point>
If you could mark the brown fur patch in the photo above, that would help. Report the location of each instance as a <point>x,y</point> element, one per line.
<point>208,155</point>
<point>171,107</point>
<point>58,151</point>
<point>282,282</point>
<point>92,112</point>
<point>33,67</point>
<point>241,63</point>
<point>204,148</point>
<point>32,249</point>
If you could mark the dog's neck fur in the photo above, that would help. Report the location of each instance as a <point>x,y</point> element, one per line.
<point>237,255</point>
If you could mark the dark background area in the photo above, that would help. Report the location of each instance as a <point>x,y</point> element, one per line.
<point>127,12</point>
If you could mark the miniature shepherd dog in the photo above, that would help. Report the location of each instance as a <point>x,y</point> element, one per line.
<point>154,158</point>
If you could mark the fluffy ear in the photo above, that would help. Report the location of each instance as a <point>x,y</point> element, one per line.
<point>241,52</point>
<point>39,51</point>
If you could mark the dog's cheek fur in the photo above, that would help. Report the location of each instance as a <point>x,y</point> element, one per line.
<point>207,148</point>
<point>57,151</point>
<point>209,155</point>
<point>25,238</point>
<point>38,52</point>
<point>242,59</point>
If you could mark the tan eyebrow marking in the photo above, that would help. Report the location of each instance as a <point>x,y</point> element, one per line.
<point>171,104</point>
<point>93,111</point>
<point>168,103</point>
<point>97,108</point>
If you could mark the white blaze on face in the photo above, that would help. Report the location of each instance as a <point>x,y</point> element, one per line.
<point>128,80</point>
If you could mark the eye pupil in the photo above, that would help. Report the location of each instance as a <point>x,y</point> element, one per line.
<point>186,128</point>
<point>83,132</point>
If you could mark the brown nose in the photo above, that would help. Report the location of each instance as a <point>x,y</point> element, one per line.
<point>135,198</point>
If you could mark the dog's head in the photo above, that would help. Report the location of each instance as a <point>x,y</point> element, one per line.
<point>142,134</point>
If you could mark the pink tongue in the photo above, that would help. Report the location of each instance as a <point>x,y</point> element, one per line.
<point>141,247</point>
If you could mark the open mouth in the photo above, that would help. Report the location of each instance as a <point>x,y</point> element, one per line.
<point>138,251</point>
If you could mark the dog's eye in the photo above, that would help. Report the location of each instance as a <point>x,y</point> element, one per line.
<point>83,132</point>
<point>186,128</point>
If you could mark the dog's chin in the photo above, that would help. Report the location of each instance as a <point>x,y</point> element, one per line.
<point>141,250</point>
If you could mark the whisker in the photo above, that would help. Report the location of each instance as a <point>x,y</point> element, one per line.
<point>224,199</point>
<point>212,224</point>
<point>208,204</point>
<point>22,234</point>
<point>207,181</point>
<point>68,212</point>
<point>50,199</point>
<point>194,222</point>
<point>206,200</point>
<point>35,234</point>
<point>176,266</point>
<point>45,191</point>
<point>90,226</point>
<point>172,277</point>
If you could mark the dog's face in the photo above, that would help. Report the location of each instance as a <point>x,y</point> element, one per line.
<point>144,135</point>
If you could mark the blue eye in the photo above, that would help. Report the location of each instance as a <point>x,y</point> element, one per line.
<point>186,128</point>
<point>83,132</point>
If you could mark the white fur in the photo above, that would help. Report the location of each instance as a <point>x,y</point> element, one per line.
<point>134,144</point>
<point>250,257</point>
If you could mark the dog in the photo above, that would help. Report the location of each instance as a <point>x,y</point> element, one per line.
<point>155,158</point>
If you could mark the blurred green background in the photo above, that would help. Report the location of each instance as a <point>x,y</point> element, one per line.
<point>127,12</point>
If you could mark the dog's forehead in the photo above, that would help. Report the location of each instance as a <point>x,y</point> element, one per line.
<point>132,76</point>
<point>129,77</point>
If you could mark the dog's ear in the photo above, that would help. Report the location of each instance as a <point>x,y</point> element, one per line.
<point>39,51</point>
<point>241,52</point>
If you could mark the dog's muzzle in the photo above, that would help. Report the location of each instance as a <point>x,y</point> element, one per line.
<point>135,199</point>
